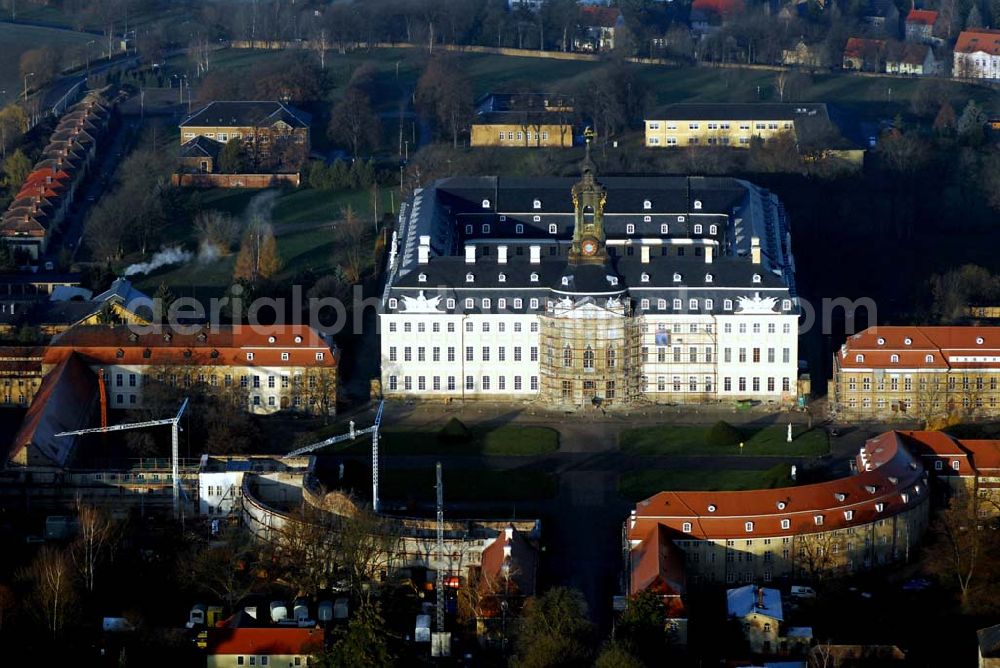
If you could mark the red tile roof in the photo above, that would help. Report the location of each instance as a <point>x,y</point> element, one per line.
<point>922,348</point>
<point>218,346</point>
<point>888,475</point>
<point>925,17</point>
<point>724,8</point>
<point>521,558</point>
<point>267,641</point>
<point>657,565</point>
<point>980,39</point>
<point>605,17</point>
<point>860,47</point>
<point>985,454</point>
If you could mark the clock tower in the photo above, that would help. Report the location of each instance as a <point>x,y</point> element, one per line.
<point>589,197</point>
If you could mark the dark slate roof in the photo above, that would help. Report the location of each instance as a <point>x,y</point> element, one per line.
<point>201,147</point>
<point>243,114</point>
<point>989,641</point>
<point>526,118</point>
<point>737,111</point>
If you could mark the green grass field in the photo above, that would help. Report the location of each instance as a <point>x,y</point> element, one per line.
<point>16,39</point>
<point>468,485</point>
<point>638,485</point>
<point>691,441</point>
<point>508,440</point>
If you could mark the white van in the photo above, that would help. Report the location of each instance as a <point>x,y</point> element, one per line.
<point>797,591</point>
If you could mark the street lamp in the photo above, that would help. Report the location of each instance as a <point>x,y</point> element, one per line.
<point>87,52</point>
<point>30,74</point>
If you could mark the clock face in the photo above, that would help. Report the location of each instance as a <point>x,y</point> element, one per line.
<point>589,247</point>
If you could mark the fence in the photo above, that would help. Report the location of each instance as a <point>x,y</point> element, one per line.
<point>236,180</point>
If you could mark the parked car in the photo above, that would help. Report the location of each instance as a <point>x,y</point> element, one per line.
<point>797,591</point>
<point>916,584</point>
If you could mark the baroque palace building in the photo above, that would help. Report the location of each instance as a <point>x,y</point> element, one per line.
<point>611,291</point>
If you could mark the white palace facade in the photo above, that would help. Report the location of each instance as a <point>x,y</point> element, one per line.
<point>616,291</point>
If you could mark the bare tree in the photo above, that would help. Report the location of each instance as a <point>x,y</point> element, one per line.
<point>226,569</point>
<point>51,577</point>
<point>963,548</point>
<point>217,230</point>
<point>258,257</point>
<point>354,122</point>
<point>351,233</point>
<point>8,601</point>
<point>443,91</point>
<point>96,532</point>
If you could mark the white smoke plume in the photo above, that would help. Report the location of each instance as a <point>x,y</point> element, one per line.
<point>163,257</point>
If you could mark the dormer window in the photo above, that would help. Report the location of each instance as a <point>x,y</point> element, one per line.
<point>879,507</point>
<point>697,205</point>
<point>565,280</point>
<point>613,280</point>
<point>928,358</point>
<point>698,228</point>
<point>486,228</point>
<point>881,341</point>
<point>468,229</point>
<point>781,505</point>
<point>664,229</point>
<point>537,204</point>
<point>486,204</point>
<point>713,229</point>
<point>818,519</point>
<point>319,357</point>
<point>786,304</point>
<point>284,357</point>
<point>469,278</point>
<point>215,354</point>
<point>894,359</point>
<point>147,353</point>
<point>553,229</point>
<point>907,341</point>
<point>711,508</point>
<point>393,303</point>
<point>486,303</point>
<point>644,278</point>
<point>727,304</point>
<point>786,524</point>
<point>686,527</point>
<point>748,526</point>
<point>502,278</point>
<point>709,278</point>
<point>421,278</point>
<point>533,278</point>
<point>249,357</point>
<point>756,278</point>
<point>271,339</point>
<point>647,219</point>
<point>979,340</point>
<point>119,353</point>
<point>680,219</point>
<point>630,229</point>
<point>859,358</point>
<point>536,219</point>
<point>646,205</point>
<point>677,277</point>
<point>519,229</point>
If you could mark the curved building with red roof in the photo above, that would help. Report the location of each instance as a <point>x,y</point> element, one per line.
<point>850,524</point>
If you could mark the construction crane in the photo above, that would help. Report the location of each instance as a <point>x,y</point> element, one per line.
<point>350,436</point>
<point>441,646</point>
<point>174,422</point>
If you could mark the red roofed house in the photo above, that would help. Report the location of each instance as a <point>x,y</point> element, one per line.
<point>847,525</point>
<point>966,466</point>
<point>271,646</point>
<point>920,26</point>
<point>596,28</point>
<point>506,575</point>
<point>977,54</point>
<point>265,369</point>
<point>707,15</point>
<point>866,55</point>
<point>932,374</point>
<point>657,565</point>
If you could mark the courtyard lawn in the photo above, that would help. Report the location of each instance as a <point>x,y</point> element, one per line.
<point>468,485</point>
<point>691,441</point>
<point>508,440</point>
<point>638,485</point>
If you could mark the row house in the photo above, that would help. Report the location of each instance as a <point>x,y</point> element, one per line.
<point>933,374</point>
<point>864,55</point>
<point>921,25</point>
<point>960,466</point>
<point>911,58</point>
<point>44,200</point>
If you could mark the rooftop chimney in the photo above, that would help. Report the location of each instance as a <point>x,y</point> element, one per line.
<point>760,597</point>
<point>755,250</point>
<point>708,254</point>
<point>424,249</point>
<point>501,255</point>
<point>470,254</point>
<point>644,252</point>
<point>535,254</point>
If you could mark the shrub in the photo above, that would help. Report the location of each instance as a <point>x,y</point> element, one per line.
<point>722,434</point>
